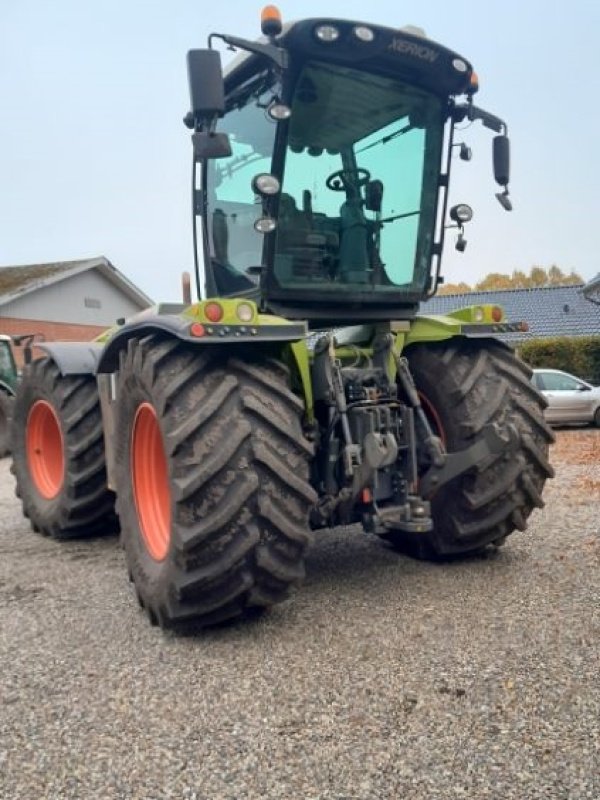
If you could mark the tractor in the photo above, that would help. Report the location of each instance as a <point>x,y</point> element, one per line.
<point>303,389</point>
<point>9,378</point>
<point>8,383</point>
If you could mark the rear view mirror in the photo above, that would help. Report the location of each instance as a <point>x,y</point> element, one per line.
<point>210,145</point>
<point>501,154</point>
<point>205,78</point>
<point>207,96</point>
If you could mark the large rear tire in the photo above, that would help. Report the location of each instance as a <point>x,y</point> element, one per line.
<point>7,402</point>
<point>58,453</point>
<point>212,468</point>
<point>466,384</point>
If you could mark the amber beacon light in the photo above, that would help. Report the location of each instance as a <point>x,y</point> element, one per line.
<point>270,21</point>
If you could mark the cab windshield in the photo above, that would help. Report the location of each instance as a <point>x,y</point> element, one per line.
<point>358,200</point>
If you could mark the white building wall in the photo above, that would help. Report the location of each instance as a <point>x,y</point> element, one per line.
<point>84,299</point>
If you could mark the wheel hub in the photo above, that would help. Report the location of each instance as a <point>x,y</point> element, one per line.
<point>44,448</point>
<point>150,478</point>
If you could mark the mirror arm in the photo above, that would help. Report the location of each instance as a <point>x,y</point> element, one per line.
<point>275,54</point>
<point>473,113</point>
<point>490,121</point>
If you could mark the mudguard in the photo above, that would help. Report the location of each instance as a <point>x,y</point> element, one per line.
<point>73,358</point>
<point>472,321</point>
<point>191,325</point>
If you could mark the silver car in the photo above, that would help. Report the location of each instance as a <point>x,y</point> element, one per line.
<point>569,398</point>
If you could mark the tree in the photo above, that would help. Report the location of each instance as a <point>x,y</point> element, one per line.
<point>538,277</point>
<point>556,276</point>
<point>495,280</point>
<point>572,279</point>
<point>455,288</point>
<point>519,279</point>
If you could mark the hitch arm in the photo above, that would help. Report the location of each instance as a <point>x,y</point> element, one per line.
<point>433,443</point>
<point>494,441</point>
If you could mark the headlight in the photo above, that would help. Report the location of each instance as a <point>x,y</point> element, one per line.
<point>245,312</point>
<point>279,111</point>
<point>264,183</point>
<point>461,213</point>
<point>363,33</point>
<point>327,33</point>
<point>265,225</point>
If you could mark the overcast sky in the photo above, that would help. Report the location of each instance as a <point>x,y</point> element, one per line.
<point>94,159</point>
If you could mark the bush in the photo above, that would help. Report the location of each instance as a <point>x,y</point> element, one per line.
<point>579,355</point>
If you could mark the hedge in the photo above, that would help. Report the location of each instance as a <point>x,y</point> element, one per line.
<point>579,355</point>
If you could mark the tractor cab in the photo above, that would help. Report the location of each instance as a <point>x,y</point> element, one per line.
<point>320,188</point>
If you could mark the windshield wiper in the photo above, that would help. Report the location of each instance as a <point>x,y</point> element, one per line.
<point>399,216</point>
<point>388,138</point>
<point>238,163</point>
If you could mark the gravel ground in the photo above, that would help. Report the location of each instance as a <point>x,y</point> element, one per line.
<point>383,677</point>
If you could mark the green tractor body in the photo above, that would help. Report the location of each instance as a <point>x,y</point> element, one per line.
<point>302,390</point>
<point>8,385</point>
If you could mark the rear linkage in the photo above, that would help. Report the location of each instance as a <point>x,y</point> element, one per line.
<point>381,461</point>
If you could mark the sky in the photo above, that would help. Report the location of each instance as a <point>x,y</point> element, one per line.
<point>95,160</point>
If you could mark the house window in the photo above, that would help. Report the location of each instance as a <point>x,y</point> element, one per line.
<point>91,302</point>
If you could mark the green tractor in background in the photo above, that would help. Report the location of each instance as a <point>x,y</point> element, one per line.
<point>303,391</point>
<point>8,385</point>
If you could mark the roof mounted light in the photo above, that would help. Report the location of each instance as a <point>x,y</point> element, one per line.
<point>279,111</point>
<point>414,30</point>
<point>363,33</point>
<point>270,21</point>
<point>265,225</point>
<point>327,33</point>
<point>459,65</point>
<point>265,184</point>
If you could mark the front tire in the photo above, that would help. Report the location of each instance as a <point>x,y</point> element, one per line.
<point>58,453</point>
<point>466,384</point>
<point>212,469</point>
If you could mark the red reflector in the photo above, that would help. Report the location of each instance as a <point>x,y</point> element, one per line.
<point>366,496</point>
<point>497,314</point>
<point>197,329</point>
<point>213,312</point>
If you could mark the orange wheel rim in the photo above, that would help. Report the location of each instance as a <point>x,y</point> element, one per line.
<point>44,449</point>
<point>150,479</point>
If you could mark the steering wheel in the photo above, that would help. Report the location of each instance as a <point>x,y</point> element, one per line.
<point>341,179</point>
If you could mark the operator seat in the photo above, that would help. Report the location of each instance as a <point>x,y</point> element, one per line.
<point>228,279</point>
<point>293,224</point>
<point>307,241</point>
